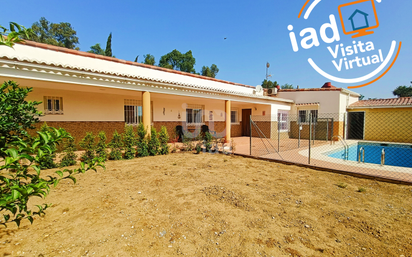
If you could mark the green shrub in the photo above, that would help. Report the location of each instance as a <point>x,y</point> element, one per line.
<point>208,141</point>
<point>129,140</point>
<point>188,144</point>
<point>88,144</point>
<point>20,172</point>
<point>154,143</point>
<point>116,145</point>
<point>142,146</point>
<point>163,139</point>
<point>47,160</point>
<point>361,189</point>
<point>101,146</point>
<point>342,185</point>
<point>70,156</point>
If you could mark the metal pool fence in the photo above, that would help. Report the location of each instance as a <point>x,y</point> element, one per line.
<point>371,143</point>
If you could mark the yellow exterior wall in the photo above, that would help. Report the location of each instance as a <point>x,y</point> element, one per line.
<point>388,124</point>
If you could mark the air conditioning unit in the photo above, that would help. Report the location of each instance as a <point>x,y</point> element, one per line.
<point>272,91</point>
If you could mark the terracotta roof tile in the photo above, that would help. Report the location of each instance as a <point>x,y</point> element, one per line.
<point>91,55</point>
<point>307,104</point>
<point>401,101</point>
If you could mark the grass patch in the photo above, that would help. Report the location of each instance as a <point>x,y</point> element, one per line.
<point>342,185</point>
<point>361,189</point>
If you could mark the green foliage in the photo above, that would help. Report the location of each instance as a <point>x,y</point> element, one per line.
<point>361,189</point>
<point>96,49</point>
<point>69,157</point>
<point>129,139</point>
<point>16,114</point>
<point>286,86</point>
<point>88,144</point>
<point>57,34</point>
<point>187,140</point>
<point>20,172</point>
<point>116,145</point>
<point>269,84</point>
<point>108,51</point>
<point>208,141</point>
<point>154,143</point>
<point>163,139</point>
<point>101,146</point>
<point>142,144</point>
<point>178,61</point>
<point>361,97</point>
<point>47,160</point>
<point>210,72</point>
<point>403,91</point>
<point>149,59</point>
<point>342,185</point>
<point>8,37</point>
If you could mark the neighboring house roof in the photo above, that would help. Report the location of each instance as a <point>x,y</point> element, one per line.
<point>93,67</point>
<point>307,104</point>
<point>382,103</point>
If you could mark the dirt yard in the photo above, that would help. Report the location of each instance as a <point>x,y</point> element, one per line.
<point>216,205</point>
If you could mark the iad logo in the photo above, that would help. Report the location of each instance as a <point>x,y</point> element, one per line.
<point>358,19</point>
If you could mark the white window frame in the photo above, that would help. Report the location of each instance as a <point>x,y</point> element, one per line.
<point>314,113</point>
<point>195,114</point>
<point>236,121</point>
<point>53,105</point>
<point>283,120</point>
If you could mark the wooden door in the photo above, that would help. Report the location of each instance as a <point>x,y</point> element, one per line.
<point>246,121</point>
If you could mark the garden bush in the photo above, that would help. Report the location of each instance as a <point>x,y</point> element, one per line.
<point>208,141</point>
<point>142,145</point>
<point>89,146</point>
<point>116,145</point>
<point>101,146</point>
<point>163,139</point>
<point>47,160</point>
<point>129,140</point>
<point>154,143</point>
<point>69,157</point>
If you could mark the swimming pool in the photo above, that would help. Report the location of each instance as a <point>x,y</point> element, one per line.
<point>395,154</point>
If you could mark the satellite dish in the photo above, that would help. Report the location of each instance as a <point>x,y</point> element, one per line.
<point>259,89</point>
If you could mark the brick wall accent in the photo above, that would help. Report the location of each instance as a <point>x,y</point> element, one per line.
<point>78,129</point>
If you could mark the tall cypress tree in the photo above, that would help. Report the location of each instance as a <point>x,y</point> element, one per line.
<point>108,51</point>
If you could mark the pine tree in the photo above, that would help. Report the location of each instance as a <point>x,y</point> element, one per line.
<point>108,51</point>
<point>163,138</point>
<point>129,139</point>
<point>101,146</point>
<point>70,156</point>
<point>88,144</point>
<point>154,144</point>
<point>116,145</point>
<point>142,147</point>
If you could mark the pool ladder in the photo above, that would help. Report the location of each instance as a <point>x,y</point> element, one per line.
<point>361,155</point>
<point>345,145</point>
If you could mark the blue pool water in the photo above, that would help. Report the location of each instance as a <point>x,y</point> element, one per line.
<point>395,154</point>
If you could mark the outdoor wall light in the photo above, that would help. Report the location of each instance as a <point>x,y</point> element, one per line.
<point>178,115</point>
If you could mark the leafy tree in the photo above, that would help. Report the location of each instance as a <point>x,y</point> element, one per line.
<point>135,60</point>
<point>47,160</point>
<point>16,114</point>
<point>70,156</point>
<point>269,84</point>
<point>8,37</point>
<point>149,59</point>
<point>154,143</point>
<point>163,139</point>
<point>403,91</point>
<point>97,49</point>
<point>58,34</point>
<point>108,51</point>
<point>116,145</point>
<point>101,146</point>
<point>178,61</point>
<point>88,144</point>
<point>142,146</point>
<point>286,86</point>
<point>129,139</point>
<point>210,72</point>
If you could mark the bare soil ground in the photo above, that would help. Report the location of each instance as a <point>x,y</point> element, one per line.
<point>216,205</point>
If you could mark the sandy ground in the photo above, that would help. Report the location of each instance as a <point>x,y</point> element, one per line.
<point>216,205</point>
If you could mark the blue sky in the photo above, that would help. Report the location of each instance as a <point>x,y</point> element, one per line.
<point>256,31</point>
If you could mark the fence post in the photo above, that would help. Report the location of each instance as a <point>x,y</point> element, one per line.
<point>331,133</point>
<point>314,132</point>
<point>299,132</point>
<point>310,135</point>
<point>250,133</point>
<point>278,134</point>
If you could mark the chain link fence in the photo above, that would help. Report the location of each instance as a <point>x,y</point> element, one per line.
<point>372,143</point>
